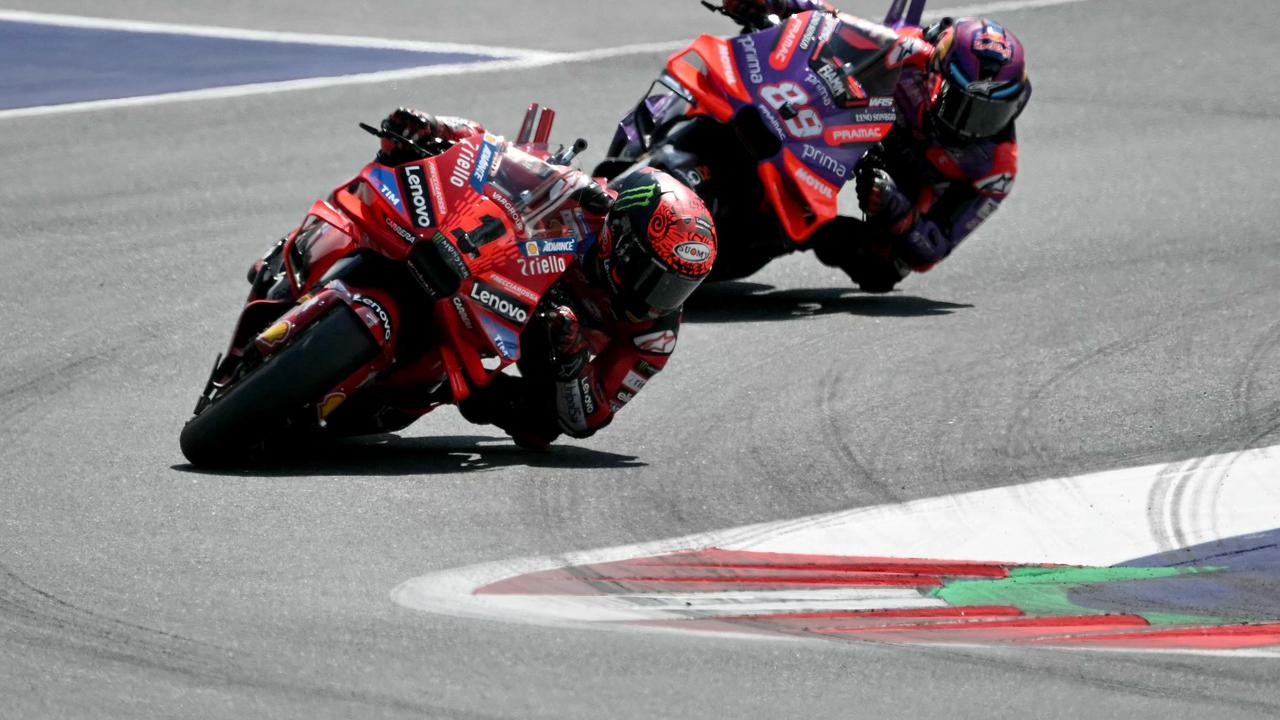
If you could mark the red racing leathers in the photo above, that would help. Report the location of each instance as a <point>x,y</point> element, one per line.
<point>579,322</point>
<point>580,362</point>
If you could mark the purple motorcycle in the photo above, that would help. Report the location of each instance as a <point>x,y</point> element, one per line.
<point>767,126</point>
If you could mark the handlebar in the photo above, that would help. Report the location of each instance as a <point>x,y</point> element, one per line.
<point>390,135</point>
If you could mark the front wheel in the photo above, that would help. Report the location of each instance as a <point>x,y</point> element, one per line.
<point>262,405</point>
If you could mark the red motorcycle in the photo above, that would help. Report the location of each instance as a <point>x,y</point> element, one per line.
<point>406,289</point>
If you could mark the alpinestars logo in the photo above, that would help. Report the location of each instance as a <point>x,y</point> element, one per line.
<point>500,302</point>
<point>419,206</point>
<point>662,342</point>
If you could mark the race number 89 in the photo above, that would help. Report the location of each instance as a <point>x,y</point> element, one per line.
<point>805,123</point>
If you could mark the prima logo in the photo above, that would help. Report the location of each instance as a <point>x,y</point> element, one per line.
<point>754,70</point>
<point>824,161</point>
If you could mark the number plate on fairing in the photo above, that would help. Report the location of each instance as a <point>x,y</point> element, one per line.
<point>822,84</point>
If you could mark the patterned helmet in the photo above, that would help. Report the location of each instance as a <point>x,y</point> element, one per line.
<point>982,74</point>
<point>658,245</point>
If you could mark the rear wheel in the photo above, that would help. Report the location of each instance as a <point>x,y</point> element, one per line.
<point>264,405</point>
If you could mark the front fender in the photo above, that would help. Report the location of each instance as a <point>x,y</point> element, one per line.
<point>375,309</point>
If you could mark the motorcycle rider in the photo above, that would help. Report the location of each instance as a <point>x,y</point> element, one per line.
<point>610,322</point>
<point>950,159</point>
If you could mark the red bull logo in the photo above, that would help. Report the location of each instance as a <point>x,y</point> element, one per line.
<point>992,40</point>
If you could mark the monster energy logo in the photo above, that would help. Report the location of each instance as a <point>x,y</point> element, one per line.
<point>635,197</point>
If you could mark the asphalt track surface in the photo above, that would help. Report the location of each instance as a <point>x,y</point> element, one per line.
<point>1120,310</point>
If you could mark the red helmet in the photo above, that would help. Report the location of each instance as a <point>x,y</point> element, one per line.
<point>658,246</point>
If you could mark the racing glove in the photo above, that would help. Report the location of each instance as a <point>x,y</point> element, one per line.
<point>753,14</point>
<point>567,344</point>
<point>429,132</point>
<point>880,199</point>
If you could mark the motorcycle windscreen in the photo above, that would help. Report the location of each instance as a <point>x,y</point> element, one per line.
<point>857,51</point>
<point>537,189</point>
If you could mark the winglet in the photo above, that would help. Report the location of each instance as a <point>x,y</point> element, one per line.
<point>904,12</point>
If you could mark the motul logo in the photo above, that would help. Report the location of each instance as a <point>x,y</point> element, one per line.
<point>726,59</point>
<point>807,178</point>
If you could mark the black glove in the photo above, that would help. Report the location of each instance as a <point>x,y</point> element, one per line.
<point>566,343</point>
<point>423,129</point>
<point>880,199</point>
<point>752,13</point>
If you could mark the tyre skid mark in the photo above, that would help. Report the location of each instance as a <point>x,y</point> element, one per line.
<point>1184,551</point>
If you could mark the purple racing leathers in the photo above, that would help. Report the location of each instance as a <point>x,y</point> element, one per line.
<point>954,186</point>
<point>952,180</point>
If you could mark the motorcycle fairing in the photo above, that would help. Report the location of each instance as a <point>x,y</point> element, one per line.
<point>821,84</point>
<point>503,227</point>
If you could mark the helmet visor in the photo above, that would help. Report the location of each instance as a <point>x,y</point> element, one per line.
<point>970,115</point>
<point>644,283</point>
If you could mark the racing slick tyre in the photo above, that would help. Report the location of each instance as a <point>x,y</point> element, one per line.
<point>259,407</point>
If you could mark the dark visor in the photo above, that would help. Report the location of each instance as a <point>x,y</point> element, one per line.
<point>972,115</point>
<point>647,282</point>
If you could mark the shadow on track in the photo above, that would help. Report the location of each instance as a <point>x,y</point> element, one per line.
<point>388,455</point>
<point>748,302</point>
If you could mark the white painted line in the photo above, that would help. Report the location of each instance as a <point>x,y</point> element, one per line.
<point>228,33</point>
<point>235,91</point>
<point>1099,519</point>
<point>516,59</point>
